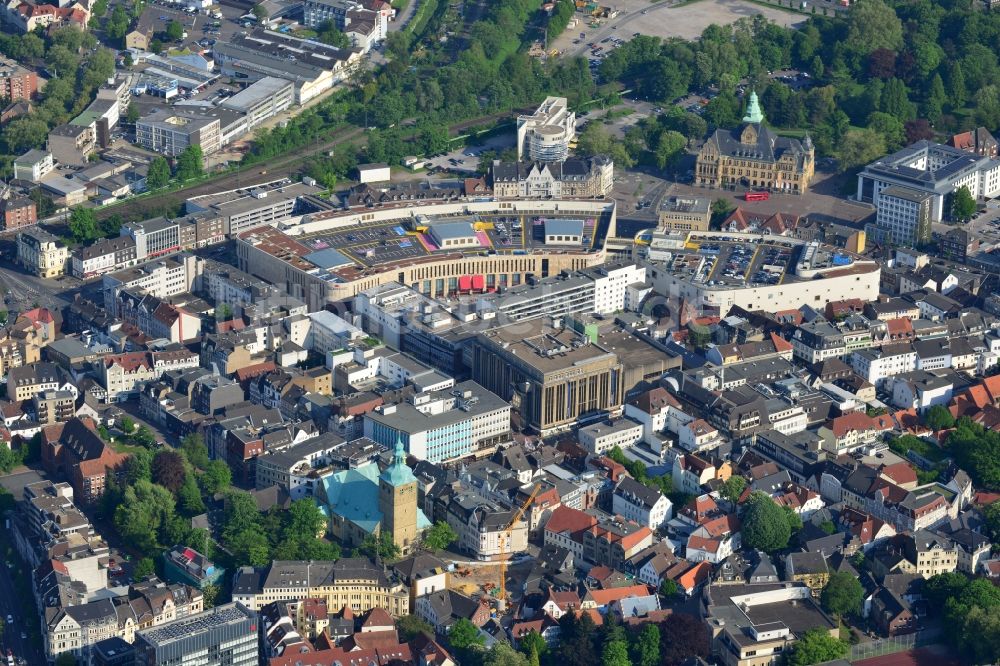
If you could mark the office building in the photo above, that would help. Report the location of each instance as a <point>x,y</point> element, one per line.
<point>311,66</point>
<point>170,131</point>
<point>263,99</point>
<point>551,375</point>
<point>153,237</point>
<point>685,214</point>
<point>903,216</point>
<point>350,581</point>
<point>599,438</point>
<point>753,156</point>
<point>162,278</point>
<point>545,135</point>
<point>223,636</point>
<point>933,169</point>
<point>241,211</point>
<point>443,425</point>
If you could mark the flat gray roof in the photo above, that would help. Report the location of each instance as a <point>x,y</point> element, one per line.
<point>563,227</point>
<point>452,230</point>
<point>258,92</point>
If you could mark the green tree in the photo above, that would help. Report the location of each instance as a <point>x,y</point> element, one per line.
<point>859,147</point>
<point>143,436</point>
<point>732,488</point>
<point>144,568</point>
<point>158,174</point>
<point>765,526</point>
<point>210,594</point>
<point>83,225</point>
<point>410,626</point>
<point>190,163</point>
<point>669,148</point>
<point>464,635</point>
<point>217,477</point>
<point>260,12</point>
<point>963,204</point>
<point>872,24</point>
<point>532,643</point>
<point>669,588</point>
<point>189,497</point>
<point>143,515</point>
<point>890,128</point>
<point>817,646</point>
<point>193,446</point>
<point>66,659</point>
<point>502,654</point>
<point>936,99</point>
<point>155,45</point>
<point>842,594</point>
<point>615,654</point>
<point>440,536</point>
<point>128,425</point>
<point>381,546</point>
<point>328,33</point>
<point>645,648</point>
<point>991,520</point>
<point>175,31</point>
<point>117,24</point>
<point>939,418</point>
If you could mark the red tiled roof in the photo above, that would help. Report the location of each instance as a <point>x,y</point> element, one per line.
<point>605,597</point>
<point>567,519</point>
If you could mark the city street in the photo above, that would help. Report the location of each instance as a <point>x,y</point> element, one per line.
<point>21,636</point>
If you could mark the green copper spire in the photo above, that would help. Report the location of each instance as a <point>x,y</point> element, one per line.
<point>398,473</point>
<point>754,114</point>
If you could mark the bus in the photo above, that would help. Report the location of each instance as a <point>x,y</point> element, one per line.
<point>756,196</point>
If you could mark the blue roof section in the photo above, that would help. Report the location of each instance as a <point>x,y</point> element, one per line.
<point>327,259</point>
<point>564,227</point>
<point>353,495</point>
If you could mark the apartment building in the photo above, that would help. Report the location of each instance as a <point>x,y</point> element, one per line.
<point>17,212</point>
<point>123,375</point>
<point>42,253</point>
<point>641,504</point>
<point>72,144</point>
<point>599,438</point>
<point>104,255</point>
<point>33,165</point>
<point>482,527</point>
<point>16,82</point>
<point>878,365</point>
<point>162,278</point>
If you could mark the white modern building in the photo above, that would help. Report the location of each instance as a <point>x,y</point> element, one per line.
<point>443,425</point>
<point>598,438</point>
<point>33,165</point>
<point>166,277</point>
<point>934,169</point>
<point>546,134</point>
<point>903,215</point>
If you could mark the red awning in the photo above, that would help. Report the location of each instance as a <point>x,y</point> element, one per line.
<point>465,283</point>
<point>478,282</point>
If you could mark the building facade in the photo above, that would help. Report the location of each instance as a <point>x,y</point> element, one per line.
<point>546,134</point>
<point>42,253</point>
<point>753,156</point>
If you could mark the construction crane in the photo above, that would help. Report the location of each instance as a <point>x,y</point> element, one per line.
<point>506,536</point>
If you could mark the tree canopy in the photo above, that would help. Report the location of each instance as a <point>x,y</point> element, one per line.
<point>817,646</point>
<point>765,525</point>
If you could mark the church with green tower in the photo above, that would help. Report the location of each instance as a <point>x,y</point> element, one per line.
<point>752,156</point>
<point>363,500</point>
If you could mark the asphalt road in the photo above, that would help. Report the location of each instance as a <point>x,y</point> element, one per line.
<point>11,604</point>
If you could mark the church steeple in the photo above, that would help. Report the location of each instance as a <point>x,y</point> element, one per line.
<point>754,113</point>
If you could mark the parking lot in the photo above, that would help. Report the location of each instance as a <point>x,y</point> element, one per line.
<point>731,261</point>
